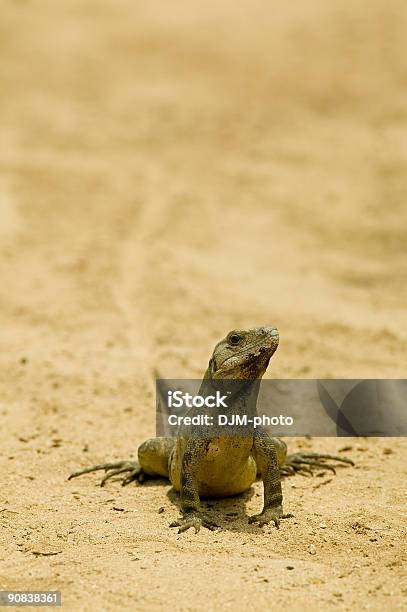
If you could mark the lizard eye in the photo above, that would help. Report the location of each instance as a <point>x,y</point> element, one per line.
<point>234,339</point>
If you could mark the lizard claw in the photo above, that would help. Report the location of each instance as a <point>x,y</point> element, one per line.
<point>134,471</point>
<point>195,520</point>
<point>268,515</point>
<point>308,462</point>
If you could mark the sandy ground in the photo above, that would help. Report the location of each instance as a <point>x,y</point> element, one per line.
<point>169,171</point>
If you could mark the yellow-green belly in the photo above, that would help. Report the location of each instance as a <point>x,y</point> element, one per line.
<point>226,469</point>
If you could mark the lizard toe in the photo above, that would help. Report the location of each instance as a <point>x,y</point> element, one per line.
<point>195,520</point>
<point>306,463</point>
<point>270,515</point>
<point>135,472</point>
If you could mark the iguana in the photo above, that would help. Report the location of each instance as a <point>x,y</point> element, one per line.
<point>201,462</point>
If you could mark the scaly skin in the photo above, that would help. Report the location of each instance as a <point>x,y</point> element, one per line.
<point>203,462</point>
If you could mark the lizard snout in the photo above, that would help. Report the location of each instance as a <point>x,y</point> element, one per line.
<point>271,332</point>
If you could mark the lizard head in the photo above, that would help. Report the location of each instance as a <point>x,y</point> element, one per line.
<point>243,354</point>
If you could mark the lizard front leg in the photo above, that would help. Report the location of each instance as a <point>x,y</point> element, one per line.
<point>265,455</point>
<point>192,515</point>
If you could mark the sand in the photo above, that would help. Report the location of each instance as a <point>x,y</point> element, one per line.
<point>170,171</point>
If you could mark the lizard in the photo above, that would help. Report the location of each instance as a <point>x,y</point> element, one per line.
<point>200,461</point>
